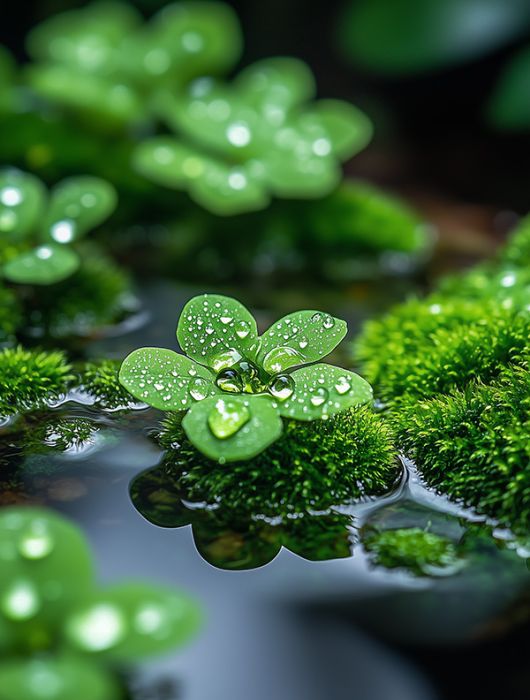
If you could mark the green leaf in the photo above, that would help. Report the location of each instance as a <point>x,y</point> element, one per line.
<point>46,264</point>
<point>165,379</point>
<point>509,107</point>
<point>293,170</point>
<point>217,331</point>
<point>275,85</point>
<point>76,206</point>
<point>45,566</point>
<point>168,162</point>
<point>132,620</point>
<point>300,338</point>
<point>411,36</point>
<point>226,190</point>
<point>233,428</point>
<point>56,678</point>
<point>321,391</point>
<point>22,199</point>
<point>348,129</point>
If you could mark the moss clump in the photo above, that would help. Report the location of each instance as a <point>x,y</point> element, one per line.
<point>425,348</point>
<point>100,380</point>
<point>62,434</point>
<point>517,250</point>
<point>96,295</point>
<point>29,378</point>
<point>10,314</point>
<point>473,445</point>
<point>414,549</point>
<point>313,466</point>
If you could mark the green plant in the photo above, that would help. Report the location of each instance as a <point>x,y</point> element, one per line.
<point>62,635</point>
<point>311,467</point>
<point>101,380</point>
<point>7,71</point>
<point>238,144</point>
<point>236,386</point>
<point>75,206</point>
<point>30,378</point>
<point>102,62</point>
<point>10,314</point>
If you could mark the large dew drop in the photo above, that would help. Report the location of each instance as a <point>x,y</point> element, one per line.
<point>199,389</point>
<point>342,386</point>
<point>279,359</point>
<point>230,380</point>
<point>319,397</point>
<point>227,417</point>
<point>282,387</point>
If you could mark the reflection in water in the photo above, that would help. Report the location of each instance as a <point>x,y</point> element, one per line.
<point>232,539</point>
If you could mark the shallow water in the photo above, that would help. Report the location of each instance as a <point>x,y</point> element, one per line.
<point>277,624</point>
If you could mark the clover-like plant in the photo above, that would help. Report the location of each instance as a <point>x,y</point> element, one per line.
<point>103,61</point>
<point>235,385</point>
<point>239,144</point>
<point>63,636</point>
<point>36,230</point>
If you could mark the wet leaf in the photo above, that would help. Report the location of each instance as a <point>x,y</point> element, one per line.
<point>347,128</point>
<point>165,379</point>
<point>322,390</point>
<point>300,338</point>
<point>169,162</point>
<point>76,206</point>
<point>46,264</point>
<point>217,331</point>
<point>22,201</point>
<point>257,421</point>
<point>56,678</point>
<point>132,620</point>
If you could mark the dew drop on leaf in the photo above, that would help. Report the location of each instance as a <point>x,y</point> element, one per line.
<point>227,418</point>
<point>320,396</point>
<point>199,389</point>
<point>281,358</point>
<point>282,387</point>
<point>229,380</point>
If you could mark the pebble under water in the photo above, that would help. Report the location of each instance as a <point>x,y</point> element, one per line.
<point>294,609</point>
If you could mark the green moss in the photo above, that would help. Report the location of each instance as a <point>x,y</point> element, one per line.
<point>414,549</point>
<point>313,466</point>
<point>29,378</point>
<point>473,445</point>
<point>96,295</point>
<point>517,250</point>
<point>425,348</point>
<point>10,314</point>
<point>100,380</point>
<point>60,434</point>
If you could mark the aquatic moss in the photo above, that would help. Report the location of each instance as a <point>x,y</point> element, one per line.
<point>313,466</point>
<point>100,380</point>
<point>425,348</point>
<point>413,549</point>
<point>60,434</point>
<point>30,378</point>
<point>473,445</point>
<point>10,314</point>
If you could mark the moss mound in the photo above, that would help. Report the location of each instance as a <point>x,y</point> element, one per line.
<point>313,466</point>
<point>100,380</point>
<point>29,378</point>
<point>414,549</point>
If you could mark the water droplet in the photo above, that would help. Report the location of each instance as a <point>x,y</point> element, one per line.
<point>209,330</point>
<point>21,601</point>
<point>328,322</point>
<point>227,417</point>
<point>319,397</point>
<point>242,329</point>
<point>303,342</point>
<point>282,387</point>
<point>199,389</point>
<point>225,359</point>
<point>99,628</point>
<point>225,320</point>
<point>229,380</point>
<point>36,542</point>
<point>281,358</point>
<point>342,386</point>
<point>316,317</point>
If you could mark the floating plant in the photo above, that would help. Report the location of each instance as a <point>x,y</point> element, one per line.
<point>237,145</point>
<point>62,635</point>
<point>236,386</point>
<point>104,62</point>
<point>37,231</point>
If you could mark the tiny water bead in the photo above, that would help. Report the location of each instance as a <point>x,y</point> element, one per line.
<point>319,396</point>
<point>227,418</point>
<point>282,387</point>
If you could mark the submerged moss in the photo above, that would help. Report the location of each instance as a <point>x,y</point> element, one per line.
<point>29,378</point>
<point>100,380</point>
<point>313,466</point>
<point>419,551</point>
<point>61,434</point>
<point>473,445</point>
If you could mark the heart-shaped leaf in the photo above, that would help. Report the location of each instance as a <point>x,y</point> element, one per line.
<point>132,620</point>
<point>22,200</point>
<point>233,428</point>
<point>56,678</point>
<point>322,390</point>
<point>300,338</point>
<point>217,331</point>
<point>347,128</point>
<point>76,206</point>
<point>165,379</point>
<point>46,264</point>
<point>226,190</point>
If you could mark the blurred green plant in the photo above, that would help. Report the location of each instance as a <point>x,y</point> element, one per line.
<point>61,635</point>
<point>103,62</point>
<point>7,78</point>
<point>236,386</point>
<point>238,144</point>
